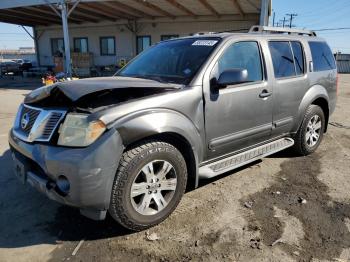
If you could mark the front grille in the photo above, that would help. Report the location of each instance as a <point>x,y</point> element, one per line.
<point>51,124</point>
<point>33,115</point>
<point>37,124</point>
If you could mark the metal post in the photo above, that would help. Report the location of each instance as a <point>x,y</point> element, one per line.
<point>36,45</point>
<point>68,68</point>
<point>136,31</point>
<point>264,15</point>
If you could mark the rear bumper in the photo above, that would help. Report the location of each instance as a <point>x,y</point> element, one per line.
<point>90,170</point>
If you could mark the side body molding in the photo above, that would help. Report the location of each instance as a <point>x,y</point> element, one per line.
<point>314,92</point>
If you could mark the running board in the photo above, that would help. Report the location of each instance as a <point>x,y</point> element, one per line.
<point>246,157</point>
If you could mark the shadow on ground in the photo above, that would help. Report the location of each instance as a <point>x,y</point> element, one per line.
<point>28,218</point>
<point>32,219</point>
<point>38,220</point>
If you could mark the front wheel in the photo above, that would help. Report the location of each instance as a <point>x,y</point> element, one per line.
<point>311,131</point>
<point>150,181</point>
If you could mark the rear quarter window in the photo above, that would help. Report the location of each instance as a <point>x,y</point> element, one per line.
<point>298,57</point>
<point>322,56</point>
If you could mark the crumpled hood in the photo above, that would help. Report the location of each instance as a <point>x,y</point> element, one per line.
<point>76,89</point>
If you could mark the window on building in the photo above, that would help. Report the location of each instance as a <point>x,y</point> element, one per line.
<point>142,43</point>
<point>167,37</point>
<point>282,59</point>
<point>81,45</point>
<point>107,45</point>
<point>57,46</point>
<point>244,55</point>
<point>298,57</point>
<point>322,56</point>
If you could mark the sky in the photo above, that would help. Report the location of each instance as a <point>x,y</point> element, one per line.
<point>319,14</point>
<point>311,14</point>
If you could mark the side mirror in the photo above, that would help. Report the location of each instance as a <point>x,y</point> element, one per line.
<point>233,76</point>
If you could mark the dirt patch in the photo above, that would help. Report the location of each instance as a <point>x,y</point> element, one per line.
<point>185,243</point>
<point>300,194</point>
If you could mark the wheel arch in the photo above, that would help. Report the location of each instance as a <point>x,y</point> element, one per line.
<point>323,103</point>
<point>181,144</point>
<point>170,127</point>
<point>316,95</point>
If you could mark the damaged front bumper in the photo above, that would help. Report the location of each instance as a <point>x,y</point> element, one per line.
<point>88,172</point>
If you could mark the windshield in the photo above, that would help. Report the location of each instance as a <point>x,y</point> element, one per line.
<point>175,61</point>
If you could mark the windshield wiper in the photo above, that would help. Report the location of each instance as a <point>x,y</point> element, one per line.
<point>155,78</point>
<point>148,77</point>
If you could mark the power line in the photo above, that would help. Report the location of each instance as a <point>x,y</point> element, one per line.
<point>2,33</point>
<point>332,29</point>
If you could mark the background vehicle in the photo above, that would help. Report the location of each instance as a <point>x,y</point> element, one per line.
<point>9,66</point>
<point>24,64</point>
<point>184,109</point>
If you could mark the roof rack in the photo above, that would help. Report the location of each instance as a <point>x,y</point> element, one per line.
<point>280,30</point>
<point>204,33</point>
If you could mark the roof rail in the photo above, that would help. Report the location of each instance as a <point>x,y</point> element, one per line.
<point>280,30</point>
<point>204,33</point>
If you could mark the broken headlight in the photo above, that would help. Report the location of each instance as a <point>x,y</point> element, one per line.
<point>77,131</point>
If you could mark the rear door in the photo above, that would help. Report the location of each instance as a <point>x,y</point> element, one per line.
<point>237,116</point>
<point>290,83</point>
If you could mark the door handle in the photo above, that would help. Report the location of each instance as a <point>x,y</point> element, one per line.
<point>265,94</point>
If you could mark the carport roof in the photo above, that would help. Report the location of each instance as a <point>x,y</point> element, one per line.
<point>43,12</point>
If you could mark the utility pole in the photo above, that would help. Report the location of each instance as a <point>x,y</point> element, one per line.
<point>283,22</point>
<point>64,16</point>
<point>291,19</point>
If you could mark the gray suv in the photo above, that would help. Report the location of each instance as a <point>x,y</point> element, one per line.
<point>185,109</point>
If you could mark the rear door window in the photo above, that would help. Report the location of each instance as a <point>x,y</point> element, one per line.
<point>298,57</point>
<point>322,56</point>
<point>282,59</point>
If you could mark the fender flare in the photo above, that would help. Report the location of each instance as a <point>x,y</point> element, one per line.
<point>146,123</point>
<point>315,92</point>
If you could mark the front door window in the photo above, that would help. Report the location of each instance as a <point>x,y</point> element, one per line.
<point>242,55</point>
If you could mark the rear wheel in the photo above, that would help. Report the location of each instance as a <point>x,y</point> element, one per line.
<point>311,131</point>
<point>150,181</point>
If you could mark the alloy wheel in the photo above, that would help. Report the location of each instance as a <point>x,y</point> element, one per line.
<point>153,187</point>
<point>313,131</point>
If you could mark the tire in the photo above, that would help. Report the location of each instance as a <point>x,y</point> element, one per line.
<point>134,175</point>
<point>303,145</point>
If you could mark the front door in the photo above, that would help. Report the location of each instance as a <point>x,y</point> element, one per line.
<point>237,116</point>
